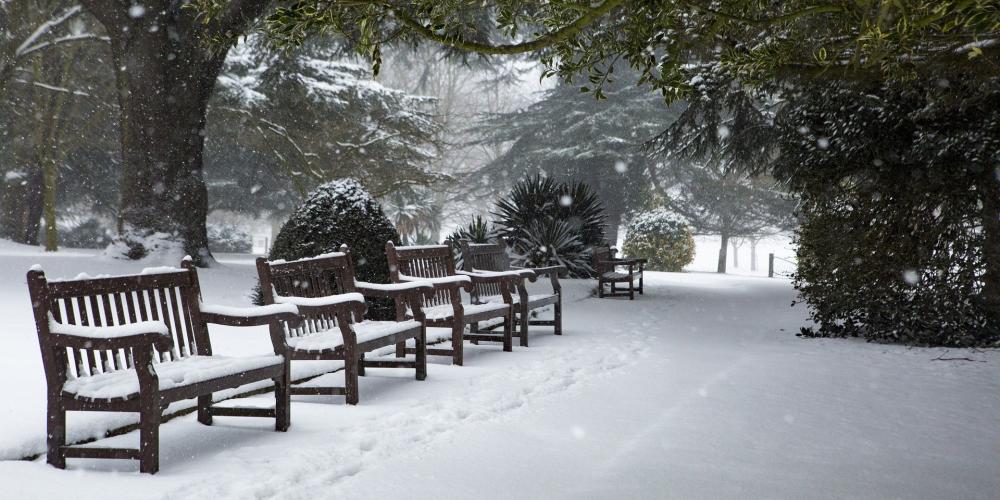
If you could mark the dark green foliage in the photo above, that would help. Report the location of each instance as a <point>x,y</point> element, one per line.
<point>88,234</point>
<point>333,214</point>
<point>476,231</point>
<point>570,135</point>
<point>662,238</point>
<point>228,239</point>
<point>548,222</point>
<point>899,210</point>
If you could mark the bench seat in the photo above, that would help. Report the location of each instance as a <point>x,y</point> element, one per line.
<point>447,311</point>
<point>190,370</point>
<point>533,300</point>
<point>328,340</point>
<point>620,276</point>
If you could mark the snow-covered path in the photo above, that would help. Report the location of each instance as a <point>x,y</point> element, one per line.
<point>699,389</point>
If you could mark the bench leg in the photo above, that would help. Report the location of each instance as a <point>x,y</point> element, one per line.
<point>524,325</point>
<point>631,290</point>
<point>457,329</point>
<point>421,354</point>
<point>361,365</point>
<point>558,317</point>
<point>351,378</point>
<point>508,332</point>
<point>56,430</point>
<point>640,286</point>
<point>204,409</point>
<point>401,350</point>
<point>283,400</point>
<point>149,438</point>
<point>600,289</point>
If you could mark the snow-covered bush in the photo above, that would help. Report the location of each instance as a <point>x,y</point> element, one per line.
<point>229,239</point>
<point>87,234</point>
<point>552,223</point>
<point>661,237</point>
<point>335,213</point>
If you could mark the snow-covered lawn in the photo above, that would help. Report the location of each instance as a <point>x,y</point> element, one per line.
<point>699,389</point>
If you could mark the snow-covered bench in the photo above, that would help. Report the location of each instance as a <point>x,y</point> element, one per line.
<point>332,305</point>
<point>492,259</point>
<point>435,264</point>
<point>138,343</point>
<point>612,271</point>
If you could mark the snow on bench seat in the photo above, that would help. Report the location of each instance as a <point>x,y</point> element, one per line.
<point>365,331</point>
<point>613,275</point>
<point>517,298</point>
<point>446,311</point>
<point>124,384</point>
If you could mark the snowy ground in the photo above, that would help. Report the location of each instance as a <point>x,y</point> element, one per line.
<point>699,389</point>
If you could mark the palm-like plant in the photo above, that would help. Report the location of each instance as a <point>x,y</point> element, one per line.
<point>476,231</point>
<point>549,223</point>
<point>414,213</point>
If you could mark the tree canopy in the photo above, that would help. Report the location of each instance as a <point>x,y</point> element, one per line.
<point>755,39</point>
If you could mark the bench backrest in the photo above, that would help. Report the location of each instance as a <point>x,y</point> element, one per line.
<point>422,261</point>
<point>320,276</point>
<point>168,295</point>
<point>602,257</point>
<point>485,257</point>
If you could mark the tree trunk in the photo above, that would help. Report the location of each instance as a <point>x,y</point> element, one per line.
<point>722,254</point>
<point>753,253</point>
<point>991,244</point>
<point>736,252</point>
<point>166,71</point>
<point>22,205</point>
<point>614,224</point>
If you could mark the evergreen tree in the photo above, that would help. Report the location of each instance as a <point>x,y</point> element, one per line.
<point>568,135</point>
<point>716,151</point>
<point>283,123</point>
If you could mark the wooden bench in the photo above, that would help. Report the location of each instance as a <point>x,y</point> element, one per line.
<point>332,306</point>
<point>138,343</point>
<point>609,273</point>
<point>492,257</point>
<point>444,308</point>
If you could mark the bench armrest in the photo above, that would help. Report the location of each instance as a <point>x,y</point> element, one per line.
<point>511,277</point>
<point>392,290</point>
<point>250,316</point>
<point>547,270</point>
<point>453,283</point>
<point>329,304</point>
<point>139,334</point>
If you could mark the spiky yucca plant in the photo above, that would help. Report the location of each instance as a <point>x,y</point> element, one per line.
<point>478,230</point>
<point>550,223</point>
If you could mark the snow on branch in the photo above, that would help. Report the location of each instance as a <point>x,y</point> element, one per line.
<point>63,39</point>
<point>44,28</point>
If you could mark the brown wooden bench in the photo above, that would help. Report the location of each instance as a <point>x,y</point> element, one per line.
<point>138,343</point>
<point>611,271</point>
<point>332,306</point>
<point>444,308</point>
<point>492,257</point>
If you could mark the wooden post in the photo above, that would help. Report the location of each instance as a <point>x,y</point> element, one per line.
<point>770,265</point>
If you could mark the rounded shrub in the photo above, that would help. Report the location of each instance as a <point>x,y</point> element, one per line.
<point>661,237</point>
<point>333,214</point>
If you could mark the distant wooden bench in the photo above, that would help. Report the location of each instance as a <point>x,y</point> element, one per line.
<point>435,264</point>
<point>332,305</point>
<point>612,271</point>
<point>492,257</point>
<point>138,343</point>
